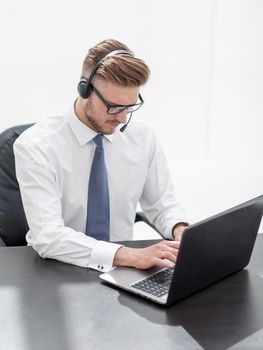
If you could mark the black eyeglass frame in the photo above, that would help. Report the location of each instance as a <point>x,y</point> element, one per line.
<point>123,107</point>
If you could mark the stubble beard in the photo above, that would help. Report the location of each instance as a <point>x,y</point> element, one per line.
<point>92,123</point>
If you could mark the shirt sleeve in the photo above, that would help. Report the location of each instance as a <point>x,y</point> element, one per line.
<point>48,234</point>
<point>158,200</point>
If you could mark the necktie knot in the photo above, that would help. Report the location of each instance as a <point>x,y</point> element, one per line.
<point>99,141</point>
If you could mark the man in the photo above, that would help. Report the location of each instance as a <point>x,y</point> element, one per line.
<point>81,175</point>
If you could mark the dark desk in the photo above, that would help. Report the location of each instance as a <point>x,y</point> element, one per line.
<point>45,304</point>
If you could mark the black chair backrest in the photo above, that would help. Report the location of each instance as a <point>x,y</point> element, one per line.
<point>13,223</point>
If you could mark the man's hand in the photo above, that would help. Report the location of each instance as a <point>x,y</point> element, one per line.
<point>162,254</point>
<point>178,231</point>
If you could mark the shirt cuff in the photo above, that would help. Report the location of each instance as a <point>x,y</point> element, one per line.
<point>102,256</point>
<point>169,233</point>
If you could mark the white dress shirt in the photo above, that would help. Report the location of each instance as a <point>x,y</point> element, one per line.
<point>53,162</point>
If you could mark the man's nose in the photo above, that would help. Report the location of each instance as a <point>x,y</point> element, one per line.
<point>122,117</point>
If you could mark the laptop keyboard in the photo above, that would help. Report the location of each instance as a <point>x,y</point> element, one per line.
<point>157,284</point>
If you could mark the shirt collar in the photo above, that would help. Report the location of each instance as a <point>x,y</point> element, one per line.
<point>82,132</point>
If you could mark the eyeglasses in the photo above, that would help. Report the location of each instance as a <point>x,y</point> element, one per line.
<point>116,109</point>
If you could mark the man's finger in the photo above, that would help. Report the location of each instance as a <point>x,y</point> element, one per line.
<point>173,244</point>
<point>166,254</point>
<point>163,263</point>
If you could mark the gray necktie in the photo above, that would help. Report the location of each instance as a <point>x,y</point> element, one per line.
<point>98,212</point>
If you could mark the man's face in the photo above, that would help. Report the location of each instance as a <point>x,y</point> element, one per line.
<point>95,112</point>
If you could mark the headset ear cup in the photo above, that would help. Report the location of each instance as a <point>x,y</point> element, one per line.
<point>84,88</point>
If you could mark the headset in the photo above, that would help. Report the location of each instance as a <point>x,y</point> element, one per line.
<point>84,86</point>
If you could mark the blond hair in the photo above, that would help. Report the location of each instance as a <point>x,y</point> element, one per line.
<point>121,69</point>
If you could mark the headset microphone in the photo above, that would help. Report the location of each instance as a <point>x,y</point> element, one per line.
<point>125,125</point>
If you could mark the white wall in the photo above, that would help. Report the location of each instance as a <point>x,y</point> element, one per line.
<point>204,98</point>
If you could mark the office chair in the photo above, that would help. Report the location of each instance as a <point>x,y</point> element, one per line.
<point>13,223</point>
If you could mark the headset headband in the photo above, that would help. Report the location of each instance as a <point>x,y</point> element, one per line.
<point>115,52</point>
<point>84,86</point>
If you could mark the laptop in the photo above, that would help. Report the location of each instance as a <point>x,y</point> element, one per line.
<point>210,250</point>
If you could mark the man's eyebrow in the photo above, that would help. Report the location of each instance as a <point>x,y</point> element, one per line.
<point>109,103</point>
<point>113,104</point>
<point>119,105</point>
